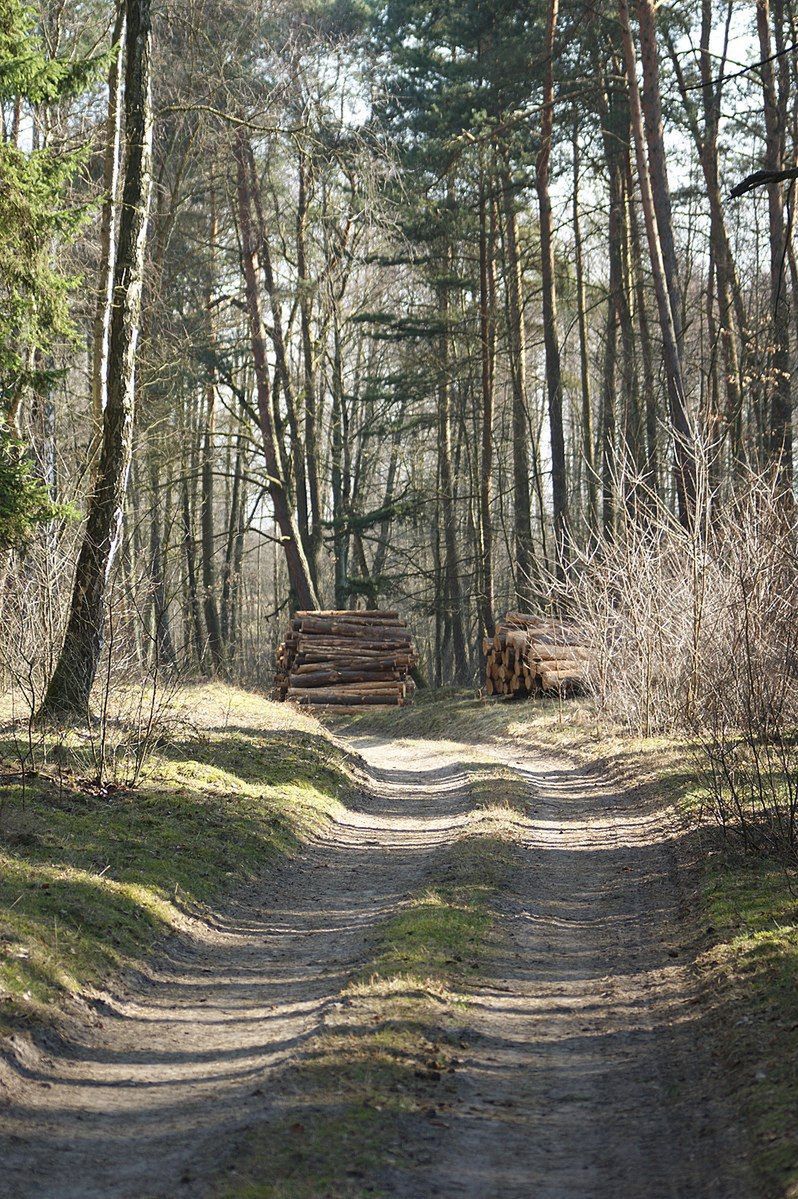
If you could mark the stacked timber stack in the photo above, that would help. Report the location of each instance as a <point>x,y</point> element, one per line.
<point>532,654</point>
<point>346,658</point>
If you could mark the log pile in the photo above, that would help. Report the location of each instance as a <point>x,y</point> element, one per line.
<point>346,658</point>
<point>529,655</point>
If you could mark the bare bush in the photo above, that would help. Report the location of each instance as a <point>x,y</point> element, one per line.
<point>695,630</point>
<point>748,715</point>
<point>132,702</point>
<point>134,692</point>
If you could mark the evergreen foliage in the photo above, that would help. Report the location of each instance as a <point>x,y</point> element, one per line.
<point>37,213</point>
<point>36,210</point>
<point>24,499</point>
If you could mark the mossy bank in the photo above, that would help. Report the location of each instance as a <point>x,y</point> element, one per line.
<point>91,877</point>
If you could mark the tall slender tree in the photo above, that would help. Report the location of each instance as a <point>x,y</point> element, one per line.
<point>559,481</point>
<point>251,243</point>
<point>656,211</point>
<point>774,95</point>
<point>69,690</point>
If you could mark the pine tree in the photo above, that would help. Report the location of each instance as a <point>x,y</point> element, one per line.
<point>35,213</point>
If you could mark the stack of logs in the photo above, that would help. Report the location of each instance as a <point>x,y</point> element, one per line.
<point>346,658</point>
<point>532,654</point>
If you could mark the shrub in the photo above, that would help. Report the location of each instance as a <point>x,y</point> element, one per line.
<point>696,631</point>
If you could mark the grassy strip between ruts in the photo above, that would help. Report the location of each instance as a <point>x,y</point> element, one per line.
<point>91,878</point>
<point>356,1112</point>
<point>746,913</point>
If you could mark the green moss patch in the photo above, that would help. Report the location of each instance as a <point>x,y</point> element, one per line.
<point>360,1099</point>
<point>444,935</point>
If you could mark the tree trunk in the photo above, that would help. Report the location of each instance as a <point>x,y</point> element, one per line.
<point>381,552</point>
<point>670,322</point>
<point>340,483</point>
<point>311,446</point>
<point>487,333</point>
<point>298,569</point>
<point>587,448</point>
<point>210,607</point>
<point>644,337</point>
<point>651,105</point>
<point>230,542</point>
<point>559,482</point>
<point>207,516</point>
<point>706,143</point>
<point>780,420</point>
<point>236,587</point>
<point>522,511</point>
<point>633,428</point>
<point>297,459</point>
<point>614,113</point>
<point>69,689</point>
<point>190,554</point>
<point>452,595</point>
<point>162,633</point>
<point>108,220</point>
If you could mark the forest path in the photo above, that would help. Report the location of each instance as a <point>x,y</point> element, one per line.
<point>586,1072</point>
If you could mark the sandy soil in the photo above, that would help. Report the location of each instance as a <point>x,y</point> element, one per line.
<point>588,1072</point>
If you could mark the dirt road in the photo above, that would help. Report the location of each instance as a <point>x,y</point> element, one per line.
<point>588,1072</point>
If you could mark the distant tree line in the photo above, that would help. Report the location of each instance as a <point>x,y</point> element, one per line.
<point>364,304</point>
